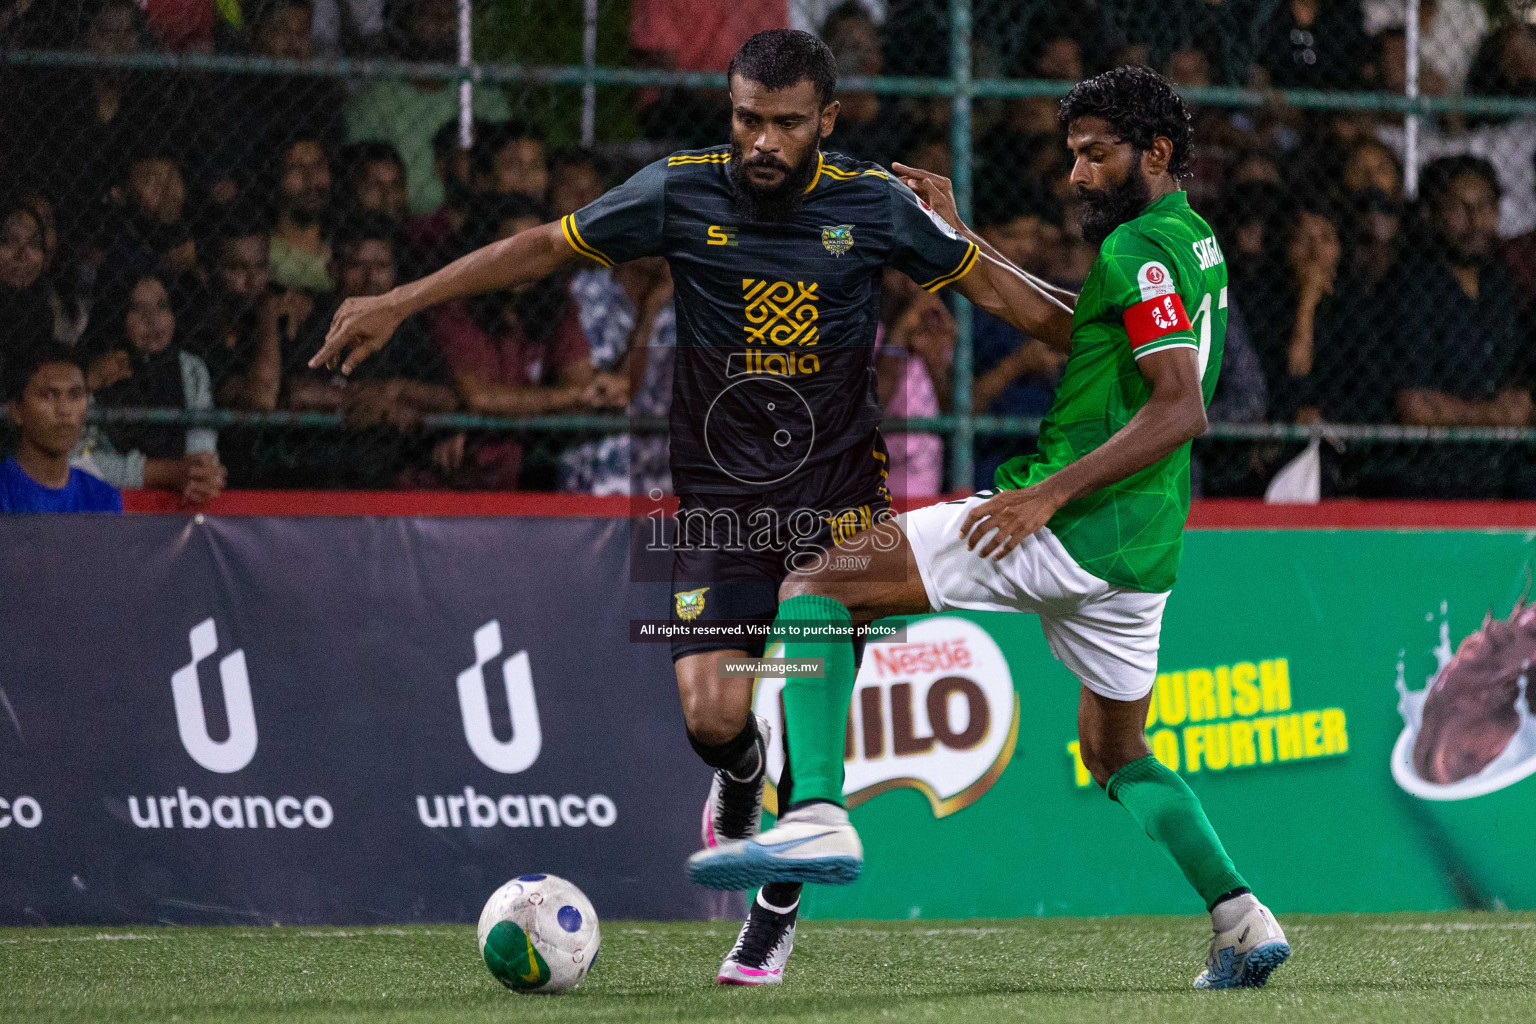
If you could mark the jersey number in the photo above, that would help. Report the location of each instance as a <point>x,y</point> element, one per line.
<point>1202,323</point>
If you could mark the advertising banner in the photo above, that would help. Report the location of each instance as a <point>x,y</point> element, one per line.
<point>352,719</point>
<point>1291,697</point>
<point>252,720</point>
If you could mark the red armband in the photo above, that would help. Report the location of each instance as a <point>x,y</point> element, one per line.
<point>1155,318</point>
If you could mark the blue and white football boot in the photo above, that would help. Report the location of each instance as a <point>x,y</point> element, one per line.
<point>1246,945</point>
<point>814,843</point>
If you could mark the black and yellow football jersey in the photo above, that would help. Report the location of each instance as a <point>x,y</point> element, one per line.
<point>776,320</point>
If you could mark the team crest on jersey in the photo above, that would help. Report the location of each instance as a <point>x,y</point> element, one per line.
<point>690,604</point>
<point>838,238</point>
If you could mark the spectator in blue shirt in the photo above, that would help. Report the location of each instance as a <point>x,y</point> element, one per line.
<point>47,398</point>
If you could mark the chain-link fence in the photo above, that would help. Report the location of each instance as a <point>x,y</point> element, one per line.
<point>193,185</point>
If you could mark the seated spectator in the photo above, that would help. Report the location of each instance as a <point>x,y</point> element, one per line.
<point>1370,164</point>
<point>45,388</point>
<point>575,179</point>
<point>1375,235</point>
<point>375,181</point>
<point>1311,329</point>
<point>1014,375</point>
<point>153,236</point>
<point>243,320</point>
<point>1311,44</point>
<point>519,352</point>
<point>1456,337</point>
<point>250,118</point>
<point>868,127</point>
<point>382,402</point>
<point>24,308</point>
<point>1450,32</point>
<point>62,285</point>
<point>403,113</point>
<point>631,329</point>
<point>430,237</point>
<point>914,355</point>
<point>67,129</point>
<point>136,319</point>
<point>508,158</point>
<point>300,253</point>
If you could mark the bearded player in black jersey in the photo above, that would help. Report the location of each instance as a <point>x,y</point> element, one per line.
<point>776,250</point>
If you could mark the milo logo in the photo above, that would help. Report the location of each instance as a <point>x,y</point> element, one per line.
<point>936,713</point>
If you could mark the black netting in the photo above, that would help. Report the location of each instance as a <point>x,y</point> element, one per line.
<point>192,185</point>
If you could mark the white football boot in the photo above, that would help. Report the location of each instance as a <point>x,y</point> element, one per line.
<point>1246,945</point>
<point>762,949</point>
<point>815,843</point>
<point>734,807</point>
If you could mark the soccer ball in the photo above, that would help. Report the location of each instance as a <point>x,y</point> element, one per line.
<point>538,933</point>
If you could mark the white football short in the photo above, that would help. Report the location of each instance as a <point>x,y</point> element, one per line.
<point>1107,636</point>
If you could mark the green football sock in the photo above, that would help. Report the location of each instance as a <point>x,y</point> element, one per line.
<point>1170,812</point>
<point>816,710</point>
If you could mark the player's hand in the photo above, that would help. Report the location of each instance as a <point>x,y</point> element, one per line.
<point>934,189</point>
<point>1003,521</point>
<point>361,328</point>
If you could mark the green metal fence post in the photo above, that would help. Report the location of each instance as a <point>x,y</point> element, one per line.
<point>962,441</point>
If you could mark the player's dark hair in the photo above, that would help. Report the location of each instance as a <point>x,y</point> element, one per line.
<point>1436,177</point>
<point>782,57</point>
<point>1139,105</point>
<point>33,357</point>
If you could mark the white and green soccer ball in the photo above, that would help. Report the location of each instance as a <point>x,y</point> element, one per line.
<point>538,933</point>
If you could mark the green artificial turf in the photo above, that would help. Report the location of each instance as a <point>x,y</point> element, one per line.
<point>1388,969</point>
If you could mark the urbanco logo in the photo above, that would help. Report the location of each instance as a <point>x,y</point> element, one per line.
<point>937,713</point>
<point>234,753</point>
<point>522,750</point>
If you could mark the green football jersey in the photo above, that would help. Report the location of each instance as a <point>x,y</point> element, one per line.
<point>1160,282</point>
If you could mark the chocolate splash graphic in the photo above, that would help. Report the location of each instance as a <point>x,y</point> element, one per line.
<point>1469,716</point>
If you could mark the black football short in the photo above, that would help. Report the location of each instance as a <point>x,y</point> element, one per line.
<point>732,552</point>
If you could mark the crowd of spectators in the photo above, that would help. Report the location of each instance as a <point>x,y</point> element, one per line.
<point>187,236</point>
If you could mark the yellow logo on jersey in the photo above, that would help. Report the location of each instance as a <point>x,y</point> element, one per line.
<point>720,235</point>
<point>779,312</point>
<point>690,604</point>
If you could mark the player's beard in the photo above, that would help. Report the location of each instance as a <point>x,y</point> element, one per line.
<point>777,203</point>
<point>1105,209</point>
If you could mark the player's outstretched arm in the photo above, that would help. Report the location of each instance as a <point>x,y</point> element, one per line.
<point>363,325</point>
<point>1174,414</point>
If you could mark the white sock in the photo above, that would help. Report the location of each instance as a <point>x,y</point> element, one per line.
<point>1226,915</point>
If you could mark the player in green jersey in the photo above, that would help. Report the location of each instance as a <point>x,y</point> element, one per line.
<point>1086,533</point>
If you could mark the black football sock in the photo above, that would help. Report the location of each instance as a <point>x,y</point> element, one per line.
<point>779,897</point>
<point>738,757</point>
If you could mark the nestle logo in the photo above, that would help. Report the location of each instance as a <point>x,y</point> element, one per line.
<point>908,659</point>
